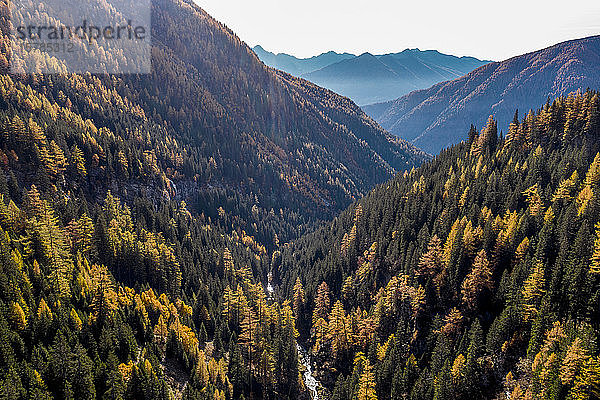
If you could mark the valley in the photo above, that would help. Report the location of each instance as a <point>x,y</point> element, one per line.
<point>233,225</point>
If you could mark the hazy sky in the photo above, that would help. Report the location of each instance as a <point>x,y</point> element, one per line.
<point>493,30</point>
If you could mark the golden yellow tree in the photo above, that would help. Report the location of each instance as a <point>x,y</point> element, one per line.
<point>366,383</point>
<point>228,261</point>
<point>337,330</point>
<point>79,161</point>
<point>595,260</point>
<point>533,290</point>
<point>565,188</point>
<point>477,280</point>
<point>322,302</point>
<point>298,297</point>
<point>431,262</point>
<point>534,200</point>
<point>574,359</point>
<point>17,316</point>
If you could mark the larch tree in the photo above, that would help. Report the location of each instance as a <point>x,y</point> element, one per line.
<point>431,262</point>
<point>322,302</point>
<point>79,161</point>
<point>299,298</point>
<point>534,200</point>
<point>366,382</point>
<point>477,280</point>
<point>533,290</point>
<point>576,355</point>
<point>337,330</point>
<point>566,188</point>
<point>595,259</point>
<point>228,262</point>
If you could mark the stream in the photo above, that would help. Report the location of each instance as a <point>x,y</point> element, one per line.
<point>309,380</point>
<point>311,383</point>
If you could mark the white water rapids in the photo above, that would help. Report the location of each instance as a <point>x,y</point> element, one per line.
<point>309,380</point>
<point>311,383</point>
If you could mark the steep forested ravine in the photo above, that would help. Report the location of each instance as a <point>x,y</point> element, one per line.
<point>139,215</point>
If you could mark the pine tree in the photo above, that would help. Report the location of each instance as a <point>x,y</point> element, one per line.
<point>472,136</point>
<point>18,130</point>
<point>38,389</point>
<point>592,125</point>
<point>488,138</point>
<point>513,130</point>
<point>52,240</point>
<point>12,387</point>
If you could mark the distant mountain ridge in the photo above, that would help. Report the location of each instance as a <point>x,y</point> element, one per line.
<point>368,78</point>
<point>299,66</point>
<point>438,117</point>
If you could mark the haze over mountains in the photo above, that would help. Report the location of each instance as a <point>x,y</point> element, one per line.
<point>367,78</point>
<point>438,117</point>
<point>299,66</point>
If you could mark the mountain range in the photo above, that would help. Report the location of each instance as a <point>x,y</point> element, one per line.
<point>439,116</point>
<point>368,78</point>
<point>299,66</point>
<point>250,124</point>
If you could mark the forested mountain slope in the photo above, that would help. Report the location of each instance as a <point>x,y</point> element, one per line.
<point>310,148</point>
<point>476,276</point>
<point>212,115</point>
<point>138,214</point>
<point>432,118</point>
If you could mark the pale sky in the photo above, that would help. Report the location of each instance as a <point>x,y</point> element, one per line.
<point>494,30</point>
